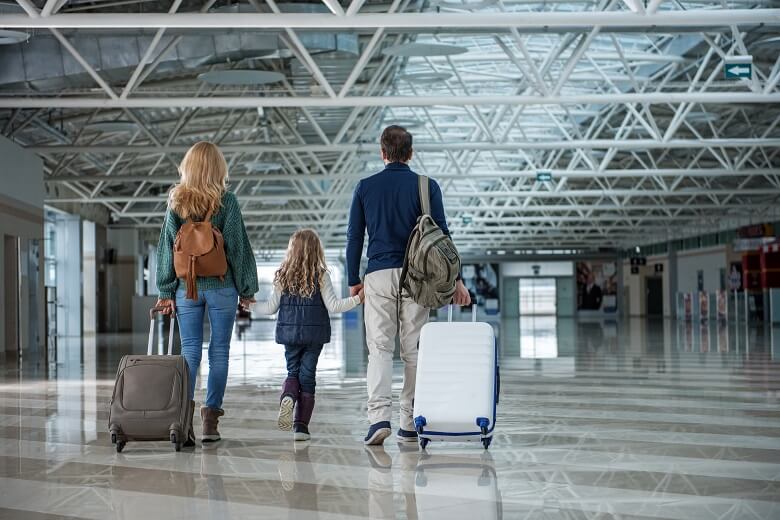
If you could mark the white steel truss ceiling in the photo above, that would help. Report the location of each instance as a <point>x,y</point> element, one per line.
<point>625,105</point>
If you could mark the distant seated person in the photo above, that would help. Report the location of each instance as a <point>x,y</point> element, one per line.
<point>592,295</point>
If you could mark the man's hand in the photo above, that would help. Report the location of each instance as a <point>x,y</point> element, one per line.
<point>362,295</point>
<point>354,290</point>
<point>461,296</point>
<point>246,303</point>
<point>168,304</point>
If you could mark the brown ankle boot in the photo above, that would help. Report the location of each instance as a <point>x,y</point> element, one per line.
<point>210,417</point>
<point>190,442</point>
<point>303,410</point>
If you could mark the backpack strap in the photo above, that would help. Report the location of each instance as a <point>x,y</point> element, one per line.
<point>425,195</point>
<point>191,280</point>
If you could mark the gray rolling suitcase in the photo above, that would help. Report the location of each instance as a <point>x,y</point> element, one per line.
<point>150,400</point>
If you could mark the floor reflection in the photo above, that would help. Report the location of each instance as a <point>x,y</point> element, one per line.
<point>598,419</point>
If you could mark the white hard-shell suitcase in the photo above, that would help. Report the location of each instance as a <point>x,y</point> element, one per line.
<point>457,488</point>
<point>457,382</point>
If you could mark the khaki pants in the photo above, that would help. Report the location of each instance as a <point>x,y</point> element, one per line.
<point>382,326</point>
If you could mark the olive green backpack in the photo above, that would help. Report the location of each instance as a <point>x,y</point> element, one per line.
<point>431,262</point>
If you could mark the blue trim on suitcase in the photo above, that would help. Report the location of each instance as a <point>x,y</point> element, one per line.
<point>420,420</point>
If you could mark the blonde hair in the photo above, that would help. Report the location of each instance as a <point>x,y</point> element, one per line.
<point>303,266</point>
<point>203,174</point>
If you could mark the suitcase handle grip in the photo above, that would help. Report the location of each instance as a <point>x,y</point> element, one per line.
<point>155,310</point>
<point>152,312</point>
<point>473,312</point>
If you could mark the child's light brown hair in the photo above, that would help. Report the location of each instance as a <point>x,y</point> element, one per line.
<point>303,266</point>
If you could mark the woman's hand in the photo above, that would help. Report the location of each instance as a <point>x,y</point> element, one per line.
<point>246,303</point>
<point>168,304</point>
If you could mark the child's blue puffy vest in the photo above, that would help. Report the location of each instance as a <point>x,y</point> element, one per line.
<point>303,321</point>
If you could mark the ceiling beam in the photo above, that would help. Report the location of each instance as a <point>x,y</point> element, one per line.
<point>392,101</point>
<point>573,144</point>
<point>543,210</point>
<point>452,194</point>
<point>472,175</point>
<point>429,20</point>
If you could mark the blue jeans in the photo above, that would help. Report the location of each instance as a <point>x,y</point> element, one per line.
<point>302,364</point>
<point>222,305</point>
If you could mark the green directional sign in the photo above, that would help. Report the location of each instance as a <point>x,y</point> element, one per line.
<point>543,176</point>
<point>738,67</point>
<point>466,219</point>
<point>739,70</point>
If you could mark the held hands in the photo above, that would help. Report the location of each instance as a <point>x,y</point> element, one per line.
<point>461,296</point>
<point>357,290</point>
<point>246,303</point>
<point>168,304</point>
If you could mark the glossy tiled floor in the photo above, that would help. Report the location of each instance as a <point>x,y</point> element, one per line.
<point>597,420</point>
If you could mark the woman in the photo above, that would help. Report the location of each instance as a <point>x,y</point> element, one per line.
<point>202,191</point>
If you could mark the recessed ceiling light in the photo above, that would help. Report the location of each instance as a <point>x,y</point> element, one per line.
<point>464,5</point>
<point>425,78</point>
<point>407,123</point>
<point>262,166</point>
<point>8,37</point>
<point>703,117</point>
<point>423,49</point>
<point>241,77</point>
<point>113,126</point>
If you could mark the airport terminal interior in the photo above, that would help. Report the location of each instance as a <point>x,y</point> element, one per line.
<point>610,176</point>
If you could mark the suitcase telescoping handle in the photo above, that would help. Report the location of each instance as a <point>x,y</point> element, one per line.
<point>152,312</point>
<point>473,312</point>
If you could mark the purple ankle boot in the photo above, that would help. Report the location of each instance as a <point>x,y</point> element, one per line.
<point>291,390</point>
<point>303,412</point>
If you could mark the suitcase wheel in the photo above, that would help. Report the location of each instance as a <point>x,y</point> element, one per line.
<point>424,442</point>
<point>175,441</point>
<point>486,442</point>
<point>120,445</point>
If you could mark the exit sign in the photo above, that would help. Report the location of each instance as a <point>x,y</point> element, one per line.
<point>738,67</point>
<point>543,176</point>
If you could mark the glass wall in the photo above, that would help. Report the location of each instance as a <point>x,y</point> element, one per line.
<point>537,297</point>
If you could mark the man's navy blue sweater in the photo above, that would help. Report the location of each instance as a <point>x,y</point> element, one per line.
<point>387,204</point>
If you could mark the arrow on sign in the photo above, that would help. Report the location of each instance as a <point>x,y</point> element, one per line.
<point>739,71</point>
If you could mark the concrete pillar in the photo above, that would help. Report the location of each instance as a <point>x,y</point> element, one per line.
<point>510,297</point>
<point>121,278</point>
<point>89,274</point>
<point>68,257</point>
<point>672,276</point>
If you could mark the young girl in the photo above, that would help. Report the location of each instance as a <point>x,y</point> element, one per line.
<point>303,295</point>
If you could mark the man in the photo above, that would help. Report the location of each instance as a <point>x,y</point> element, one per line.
<point>387,204</point>
<point>591,295</point>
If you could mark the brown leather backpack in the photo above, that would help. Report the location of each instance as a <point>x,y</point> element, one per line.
<point>199,250</point>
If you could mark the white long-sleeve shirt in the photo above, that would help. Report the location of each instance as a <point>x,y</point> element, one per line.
<point>333,303</point>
